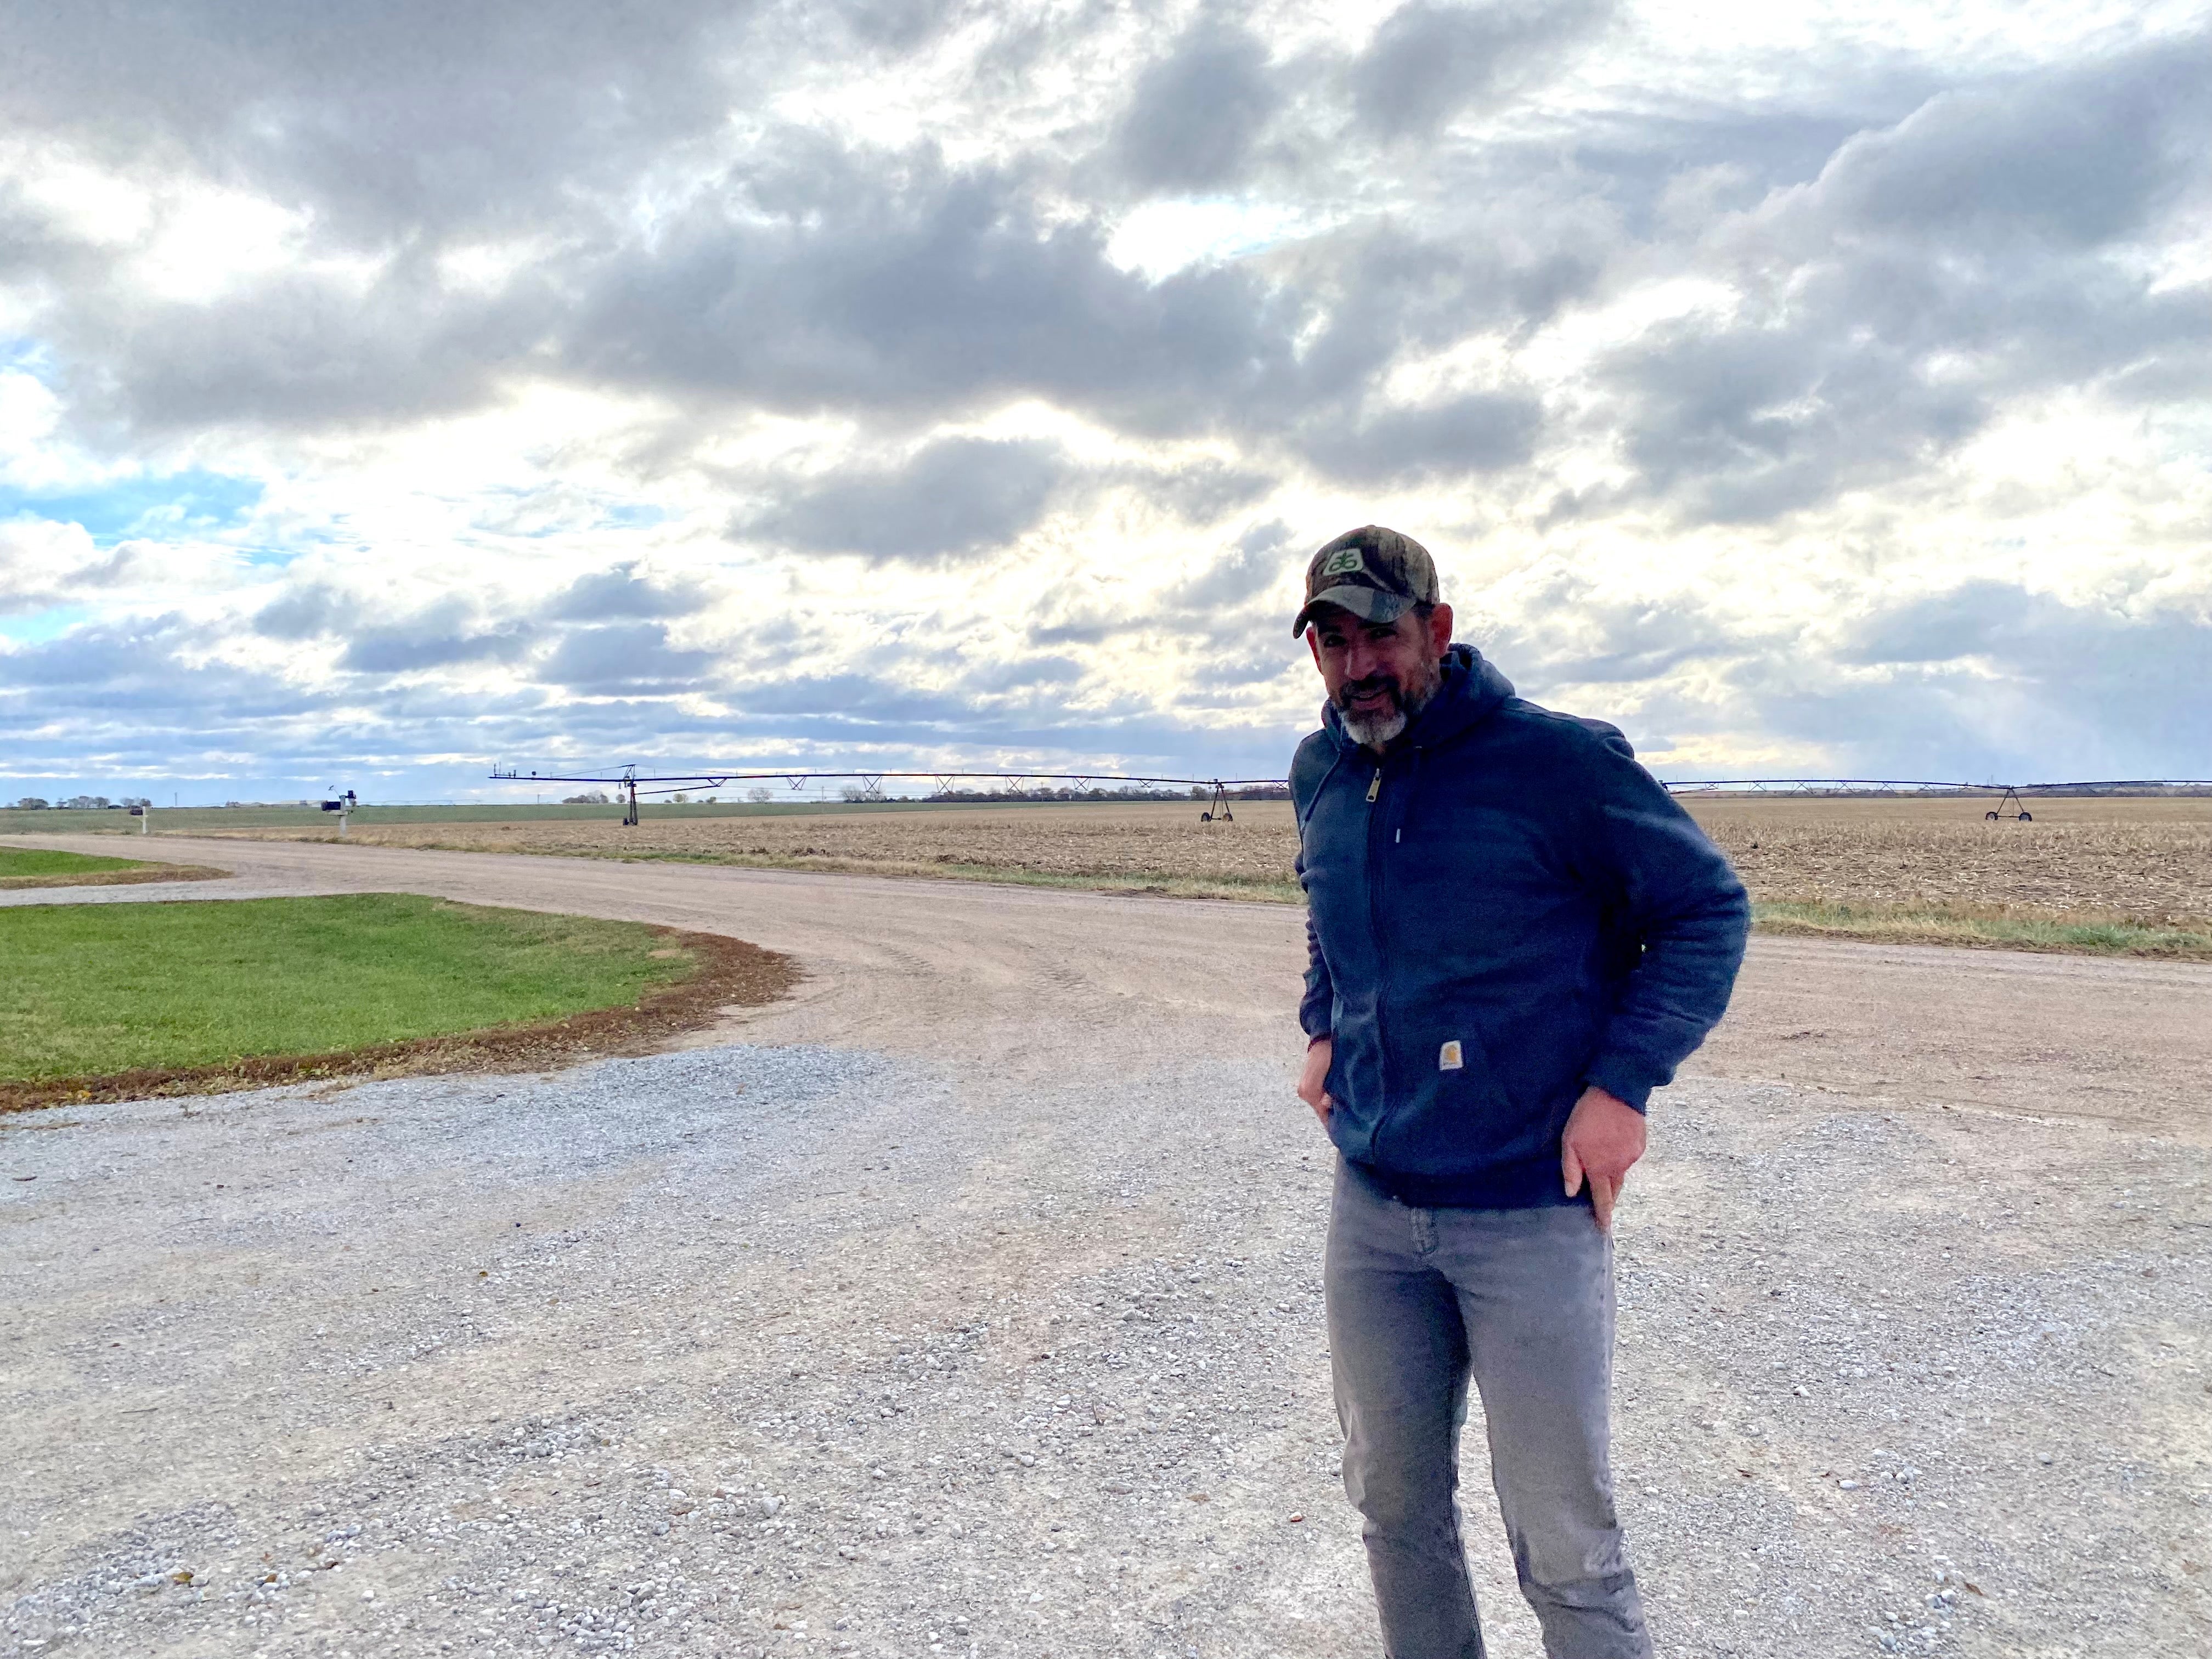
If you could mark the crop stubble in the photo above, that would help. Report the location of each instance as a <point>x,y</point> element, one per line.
<point>2150,860</point>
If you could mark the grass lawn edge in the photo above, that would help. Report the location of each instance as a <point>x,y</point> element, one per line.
<point>730,972</point>
<point>2047,935</point>
<point>115,877</point>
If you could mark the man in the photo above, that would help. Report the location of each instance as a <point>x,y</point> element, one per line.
<point>1515,935</point>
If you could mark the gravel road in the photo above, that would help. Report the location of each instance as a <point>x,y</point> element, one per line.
<point>968,1303</point>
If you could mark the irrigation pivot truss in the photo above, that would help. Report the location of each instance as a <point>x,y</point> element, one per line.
<point>633,785</point>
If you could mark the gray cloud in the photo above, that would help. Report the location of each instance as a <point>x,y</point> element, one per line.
<point>623,657</point>
<point>2078,157</point>
<point>1428,61</point>
<point>1196,113</point>
<point>1263,556</point>
<point>955,499</point>
<point>1976,250</point>
<point>296,350</point>
<point>1985,680</point>
<point>621,594</point>
<point>445,634</point>
<point>385,118</point>
<point>828,279</point>
<point>1200,492</point>
<point>2043,687</point>
<point>1480,431</point>
<point>305,612</point>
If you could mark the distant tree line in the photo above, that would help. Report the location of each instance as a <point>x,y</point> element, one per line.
<point>78,802</point>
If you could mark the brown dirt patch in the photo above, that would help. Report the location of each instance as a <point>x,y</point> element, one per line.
<point>2150,860</point>
<point>730,973</point>
<point>117,878</point>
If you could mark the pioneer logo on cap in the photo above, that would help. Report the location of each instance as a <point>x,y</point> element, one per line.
<point>1376,574</point>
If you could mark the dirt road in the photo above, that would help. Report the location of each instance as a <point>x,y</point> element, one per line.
<point>1011,977</point>
<point>1913,1290</point>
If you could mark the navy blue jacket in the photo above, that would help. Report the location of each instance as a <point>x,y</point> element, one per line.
<point>1507,908</point>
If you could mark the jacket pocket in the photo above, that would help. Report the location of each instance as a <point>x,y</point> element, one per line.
<point>1355,1082</point>
<point>1453,1115</point>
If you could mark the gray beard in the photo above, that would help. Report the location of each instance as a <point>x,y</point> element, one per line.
<point>1373,732</point>
<point>1380,731</point>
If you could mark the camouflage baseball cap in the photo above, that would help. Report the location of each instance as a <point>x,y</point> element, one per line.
<point>1376,574</point>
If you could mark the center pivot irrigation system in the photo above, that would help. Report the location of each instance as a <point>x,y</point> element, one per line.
<point>631,786</point>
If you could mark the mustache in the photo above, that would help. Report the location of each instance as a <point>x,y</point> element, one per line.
<point>1368,686</point>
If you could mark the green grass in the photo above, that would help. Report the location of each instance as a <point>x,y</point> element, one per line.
<point>24,863</point>
<point>1990,927</point>
<point>90,990</point>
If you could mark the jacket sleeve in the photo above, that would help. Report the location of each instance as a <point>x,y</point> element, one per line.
<point>1317,1007</point>
<point>1675,897</point>
<point>1309,770</point>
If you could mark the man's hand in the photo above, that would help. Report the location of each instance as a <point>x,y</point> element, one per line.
<point>1604,1139</point>
<point>1313,1079</point>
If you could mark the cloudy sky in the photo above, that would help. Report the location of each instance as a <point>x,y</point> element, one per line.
<point>389,390</point>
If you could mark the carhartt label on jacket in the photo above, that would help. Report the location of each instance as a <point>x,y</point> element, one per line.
<point>1448,1057</point>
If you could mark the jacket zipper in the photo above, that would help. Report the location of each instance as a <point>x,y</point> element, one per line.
<point>1374,867</point>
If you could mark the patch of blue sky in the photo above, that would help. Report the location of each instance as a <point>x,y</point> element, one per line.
<point>171,504</point>
<point>24,355</point>
<point>40,626</point>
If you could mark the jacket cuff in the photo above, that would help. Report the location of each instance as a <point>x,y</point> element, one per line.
<point>1623,1078</point>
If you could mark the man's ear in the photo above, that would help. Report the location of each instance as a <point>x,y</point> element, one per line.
<point>1440,628</point>
<point>1313,642</point>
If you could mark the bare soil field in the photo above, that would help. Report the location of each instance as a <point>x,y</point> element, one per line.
<point>2148,857</point>
<point>2146,860</point>
<point>1165,845</point>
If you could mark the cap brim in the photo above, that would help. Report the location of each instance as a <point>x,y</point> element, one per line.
<point>1369,604</point>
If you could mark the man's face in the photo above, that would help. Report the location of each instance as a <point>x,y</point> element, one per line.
<point>1379,676</point>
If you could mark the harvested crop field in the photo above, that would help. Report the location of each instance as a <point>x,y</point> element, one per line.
<point>1135,845</point>
<point>2146,860</point>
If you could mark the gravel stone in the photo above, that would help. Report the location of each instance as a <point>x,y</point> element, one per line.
<point>754,1350</point>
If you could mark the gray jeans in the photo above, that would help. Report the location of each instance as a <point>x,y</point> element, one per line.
<point>1418,1300</point>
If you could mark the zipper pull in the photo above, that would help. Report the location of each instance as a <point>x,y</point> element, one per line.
<point>1375,787</point>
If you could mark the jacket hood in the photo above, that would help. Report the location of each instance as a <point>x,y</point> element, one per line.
<point>1472,688</point>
